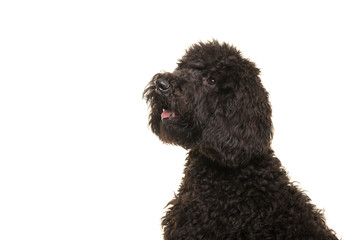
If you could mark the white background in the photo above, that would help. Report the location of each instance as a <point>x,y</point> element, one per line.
<point>77,160</point>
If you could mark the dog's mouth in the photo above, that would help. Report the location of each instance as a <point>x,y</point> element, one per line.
<point>170,115</point>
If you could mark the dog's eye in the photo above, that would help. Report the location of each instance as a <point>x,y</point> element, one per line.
<point>209,81</point>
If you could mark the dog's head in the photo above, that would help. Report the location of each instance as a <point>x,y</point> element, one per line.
<point>213,102</point>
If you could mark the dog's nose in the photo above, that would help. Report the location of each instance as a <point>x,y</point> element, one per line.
<point>162,85</point>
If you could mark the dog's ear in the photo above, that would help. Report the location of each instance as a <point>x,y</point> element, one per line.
<point>240,129</point>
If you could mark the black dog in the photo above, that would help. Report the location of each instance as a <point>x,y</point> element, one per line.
<point>215,105</point>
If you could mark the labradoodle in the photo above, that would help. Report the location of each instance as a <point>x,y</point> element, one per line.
<point>214,105</point>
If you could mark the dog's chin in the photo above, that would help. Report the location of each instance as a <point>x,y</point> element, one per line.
<point>172,128</point>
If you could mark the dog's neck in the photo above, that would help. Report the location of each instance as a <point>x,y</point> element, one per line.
<point>202,175</point>
<point>197,161</point>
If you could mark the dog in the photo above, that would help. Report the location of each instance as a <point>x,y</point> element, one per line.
<point>215,106</point>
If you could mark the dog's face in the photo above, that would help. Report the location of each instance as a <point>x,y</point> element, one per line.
<point>214,102</point>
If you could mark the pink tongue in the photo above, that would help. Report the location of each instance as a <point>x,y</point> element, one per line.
<point>166,114</point>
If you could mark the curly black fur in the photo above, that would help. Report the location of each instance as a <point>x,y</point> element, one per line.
<point>215,105</point>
